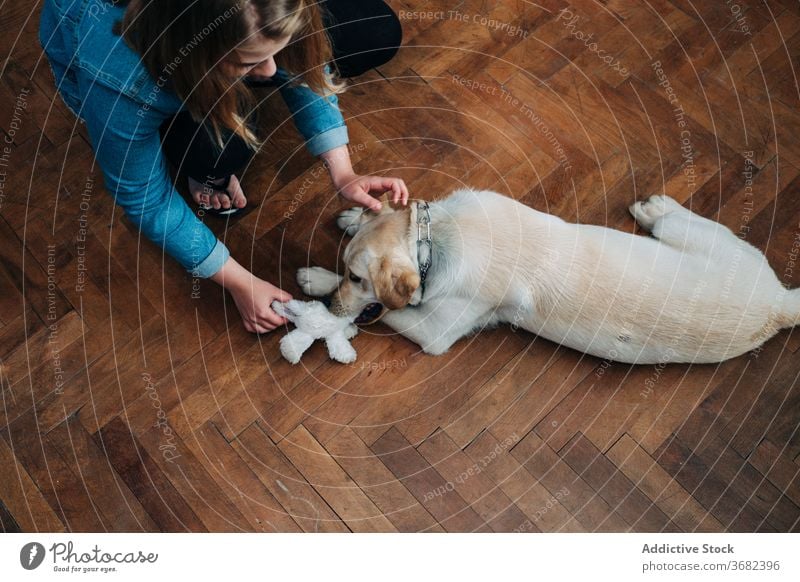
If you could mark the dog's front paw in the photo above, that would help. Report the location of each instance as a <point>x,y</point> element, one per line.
<point>348,220</point>
<point>316,281</point>
<point>647,212</point>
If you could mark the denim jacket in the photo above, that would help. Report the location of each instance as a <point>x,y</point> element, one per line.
<point>104,83</point>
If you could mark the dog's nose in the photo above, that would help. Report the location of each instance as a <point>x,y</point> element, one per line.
<point>370,314</point>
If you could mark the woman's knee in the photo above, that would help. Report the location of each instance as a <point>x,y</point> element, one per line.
<point>365,35</point>
<point>389,35</point>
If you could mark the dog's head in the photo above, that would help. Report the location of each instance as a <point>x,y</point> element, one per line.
<point>378,264</point>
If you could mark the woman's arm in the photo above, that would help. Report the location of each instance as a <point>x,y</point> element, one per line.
<point>317,118</point>
<point>128,148</point>
<point>320,122</point>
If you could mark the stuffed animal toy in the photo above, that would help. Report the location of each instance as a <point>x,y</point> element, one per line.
<point>313,321</point>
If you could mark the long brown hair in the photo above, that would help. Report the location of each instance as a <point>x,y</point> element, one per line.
<point>182,43</point>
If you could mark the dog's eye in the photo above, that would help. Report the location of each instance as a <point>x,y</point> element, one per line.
<point>355,278</point>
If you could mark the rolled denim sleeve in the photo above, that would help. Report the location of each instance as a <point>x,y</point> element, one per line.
<point>317,118</point>
<point>127,147</point>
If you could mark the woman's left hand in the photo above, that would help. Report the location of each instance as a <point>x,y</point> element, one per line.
<point>362,189</point>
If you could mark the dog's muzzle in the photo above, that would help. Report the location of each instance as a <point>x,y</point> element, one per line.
<point>370,314</point>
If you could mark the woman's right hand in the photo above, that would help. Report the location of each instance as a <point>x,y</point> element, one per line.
<point>254,303</point>
<point>253,297</point>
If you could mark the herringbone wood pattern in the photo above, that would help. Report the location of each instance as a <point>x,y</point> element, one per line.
<point>172,417</point>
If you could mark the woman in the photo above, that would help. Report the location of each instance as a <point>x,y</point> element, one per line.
<point>170,79</point>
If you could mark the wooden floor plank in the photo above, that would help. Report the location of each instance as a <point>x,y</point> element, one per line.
<point>308,398</point>
<point>7,522</point>
<point>614,487</point>
<point>21,497</point>
<point>737,391</point>
<point>379,484</point>
<point>762,496</point>
<point>286,483</point>
<point>671,405</point>
<point>172,417</point>
<point>239,483</point>
<point>549,388</point>
<point>709,489</point>
<point>605,403</point>
<point>544,510</point>
<point>426,484</point>
<point>332,483</point>
<point>503,390</point>
<point>465,476</point>
<point>583,502</point>
<point>676,503</point>
<point>109,493</point>
<point>459,385</point>
<point>456,372</point>
<point>64,491</point>
<point>781,472</point>
<point>147,481</point>
<point>776,400</point>
<point>191,480</point>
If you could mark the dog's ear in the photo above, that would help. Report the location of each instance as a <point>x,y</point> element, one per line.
<point>394,283</point>
<point>386,208</point>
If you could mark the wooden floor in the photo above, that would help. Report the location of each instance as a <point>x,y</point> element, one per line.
<point>133,399</point>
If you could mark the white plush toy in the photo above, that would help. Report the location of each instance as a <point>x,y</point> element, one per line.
<point>313,321</point>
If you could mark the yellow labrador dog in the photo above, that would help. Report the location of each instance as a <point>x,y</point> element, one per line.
<point>693,292</point>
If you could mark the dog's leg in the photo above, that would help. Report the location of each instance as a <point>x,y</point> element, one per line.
<point>317,282</point>
<point>348,220</point>
<point>437,325</point>
<point>648,212</point>
<point>684,230</point>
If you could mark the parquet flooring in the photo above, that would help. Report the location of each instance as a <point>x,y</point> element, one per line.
<point>130,405</point>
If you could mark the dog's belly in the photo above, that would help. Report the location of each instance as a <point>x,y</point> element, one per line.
<point>657,305</point>
<point>626,346</point>
<point>631,342</point>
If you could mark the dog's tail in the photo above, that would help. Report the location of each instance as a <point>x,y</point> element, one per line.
<point>791,309</point>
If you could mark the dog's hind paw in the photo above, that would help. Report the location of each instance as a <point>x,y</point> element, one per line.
<point>647,212</point>
<point>348,220</point>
